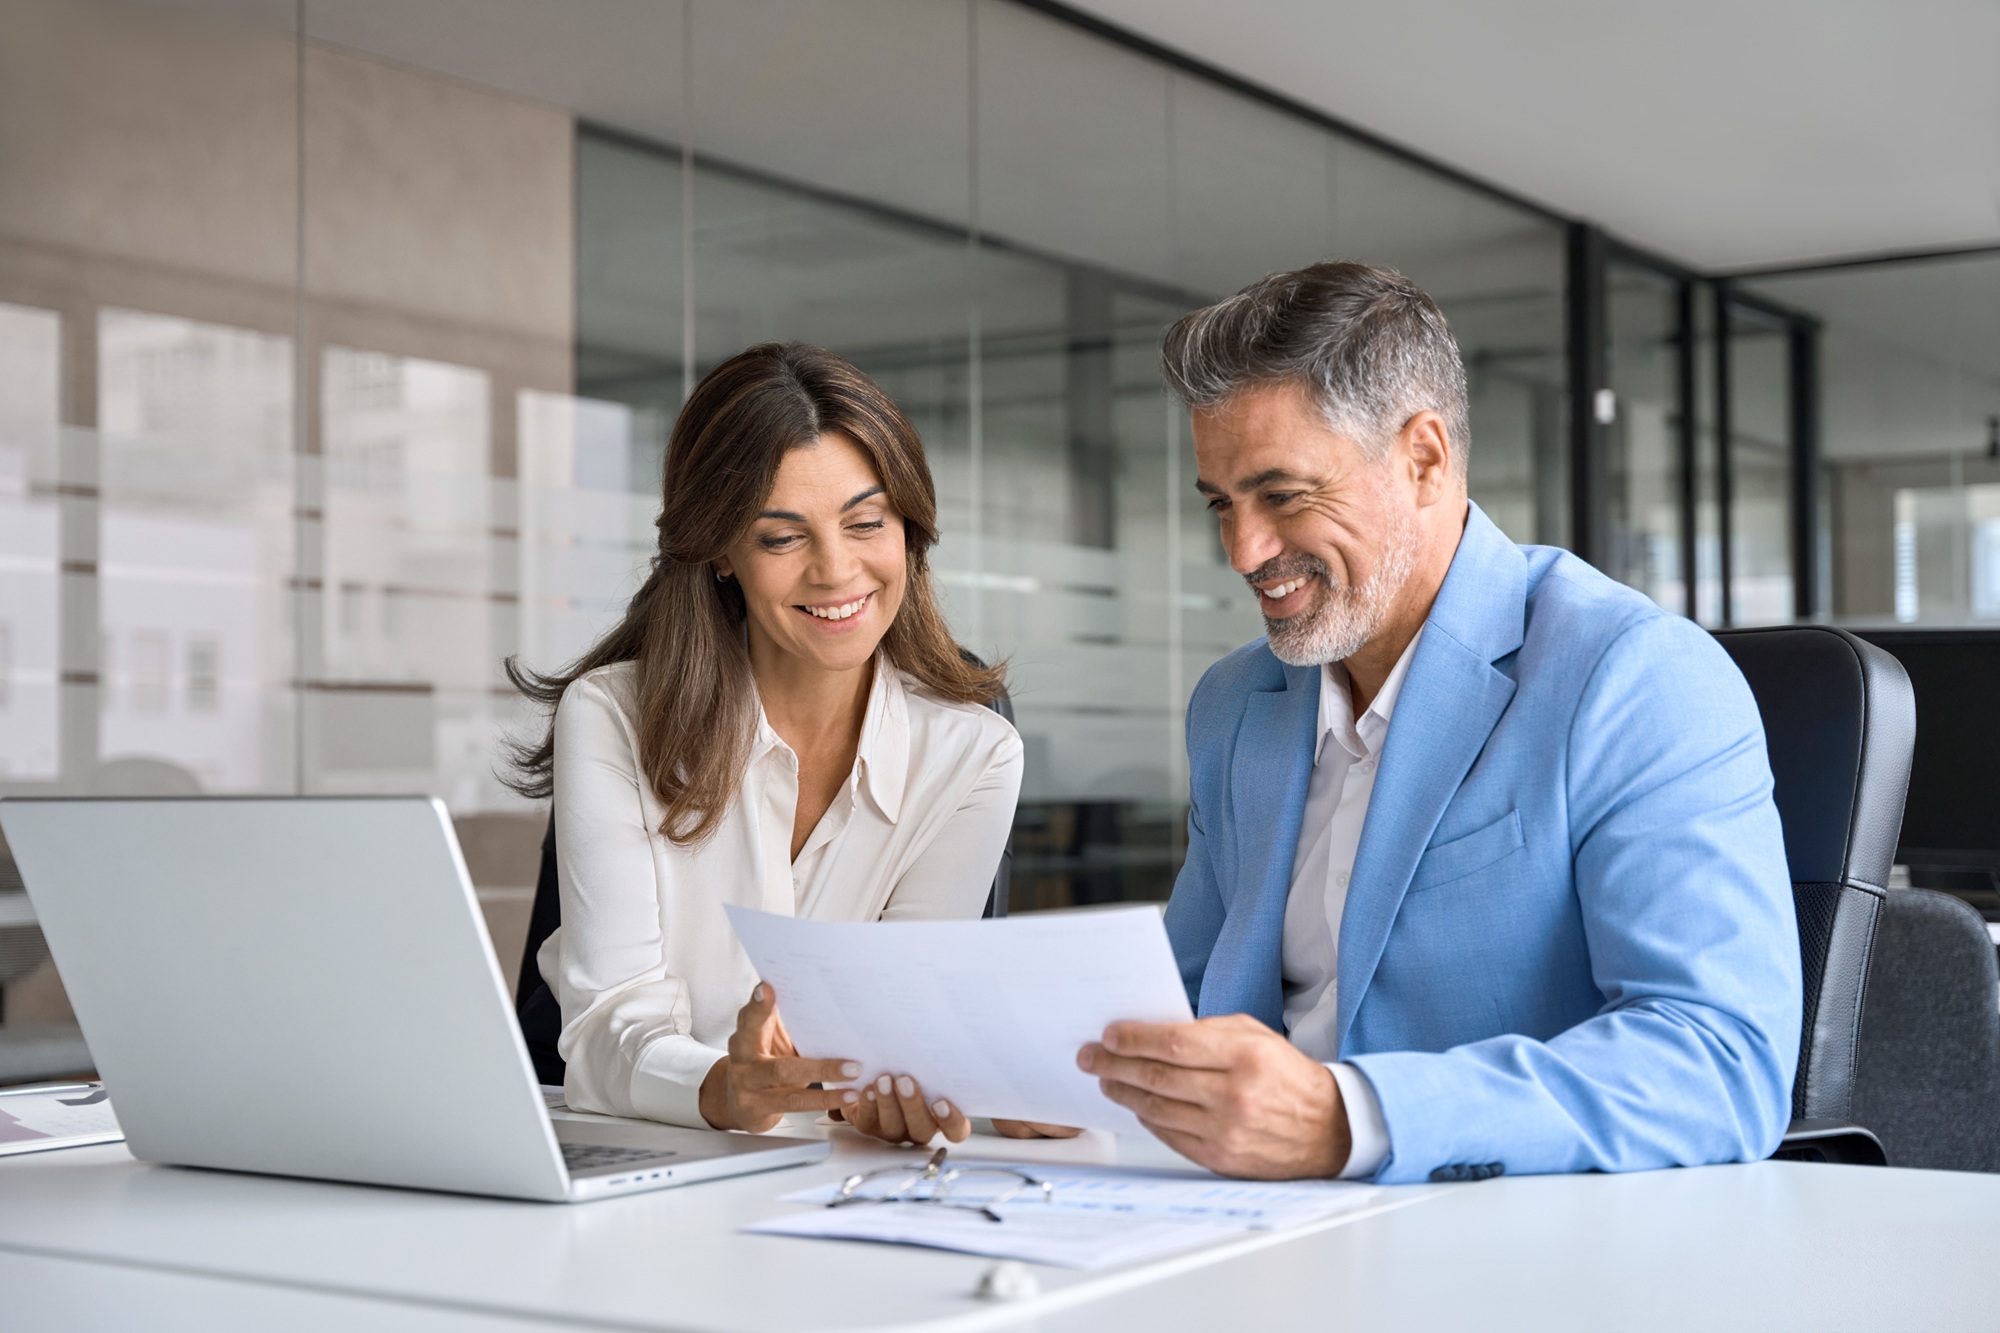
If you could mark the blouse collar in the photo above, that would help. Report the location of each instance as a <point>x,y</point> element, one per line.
<point>882,761</point>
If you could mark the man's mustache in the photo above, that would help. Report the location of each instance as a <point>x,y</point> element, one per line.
<point>1285,567</point>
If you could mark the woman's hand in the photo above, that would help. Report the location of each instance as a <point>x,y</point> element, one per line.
<point>763,1077</point>
<point>1034,1129</point>
<point>895,1109</point>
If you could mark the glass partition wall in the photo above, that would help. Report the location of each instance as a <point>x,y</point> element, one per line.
<point>1702,442</point>
<point>339,343</point>
<point>1908,499</point>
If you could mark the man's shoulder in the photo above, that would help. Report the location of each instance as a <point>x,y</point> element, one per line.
<point>1215,710</point>
<point>1251,669</point>
<point>1579,620</point>
<point>1581,611</point>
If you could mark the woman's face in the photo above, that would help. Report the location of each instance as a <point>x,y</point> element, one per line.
<point>823,568</point>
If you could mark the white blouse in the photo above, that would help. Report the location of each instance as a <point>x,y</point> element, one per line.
<point>647,971</point>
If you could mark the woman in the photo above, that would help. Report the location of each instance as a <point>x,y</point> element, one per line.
<point>783,721</point>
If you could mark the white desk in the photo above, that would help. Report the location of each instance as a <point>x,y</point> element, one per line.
<point>103,1241</point>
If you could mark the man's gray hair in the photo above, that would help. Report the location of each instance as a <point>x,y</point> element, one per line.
<point>1369,345</point>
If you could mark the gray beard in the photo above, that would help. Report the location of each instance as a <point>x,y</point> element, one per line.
<point>1348,616</point>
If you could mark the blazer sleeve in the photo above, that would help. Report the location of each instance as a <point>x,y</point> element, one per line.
<point>1681,879</point>
<point>1195,910</point>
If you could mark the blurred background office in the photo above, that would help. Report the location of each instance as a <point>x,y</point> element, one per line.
<point>340,339</point>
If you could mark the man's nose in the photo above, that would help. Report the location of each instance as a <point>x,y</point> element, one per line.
<point>1251,543</point>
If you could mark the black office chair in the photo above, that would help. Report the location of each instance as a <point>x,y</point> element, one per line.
<point>1927,1069</point>
<point>535,1004</point>
<point>1840,725</point>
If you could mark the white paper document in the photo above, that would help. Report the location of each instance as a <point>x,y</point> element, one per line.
<point>989,1014</point>
<point>1096,1216</point>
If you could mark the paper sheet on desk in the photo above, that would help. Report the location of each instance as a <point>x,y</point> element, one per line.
<point>1097,1216</point>
<point>989,1014</point>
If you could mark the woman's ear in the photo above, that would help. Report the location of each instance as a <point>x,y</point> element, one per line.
<point>723,573</point>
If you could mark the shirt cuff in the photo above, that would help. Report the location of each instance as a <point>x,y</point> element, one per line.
<point>1365,1126</point>
<point>666,1083</point>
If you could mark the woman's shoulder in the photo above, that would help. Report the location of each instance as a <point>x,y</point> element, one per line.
<point>603,689</point>
<point>967,729</point>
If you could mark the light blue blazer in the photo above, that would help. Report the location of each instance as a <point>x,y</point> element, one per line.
<point>1569,941</point>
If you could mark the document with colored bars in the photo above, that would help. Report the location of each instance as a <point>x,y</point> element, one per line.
<point>64,1115</point>
<point>1095,1217</point>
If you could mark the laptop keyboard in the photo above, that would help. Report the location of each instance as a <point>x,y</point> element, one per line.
<point>592,1156</point>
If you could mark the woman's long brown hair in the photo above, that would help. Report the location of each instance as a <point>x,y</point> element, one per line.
<point>683,630</point>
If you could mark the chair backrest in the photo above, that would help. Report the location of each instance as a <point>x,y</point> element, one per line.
<point>1927,1075</point>
<point>535,1004</point>
<point>1840,726</point>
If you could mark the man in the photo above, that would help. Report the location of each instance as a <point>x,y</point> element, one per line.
<point>1483,870</point>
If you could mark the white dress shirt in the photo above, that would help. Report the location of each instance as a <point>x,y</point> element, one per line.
<point>647,971</point>
<point>1343,779</point>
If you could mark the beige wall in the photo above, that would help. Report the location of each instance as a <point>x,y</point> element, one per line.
<point>151,160</point>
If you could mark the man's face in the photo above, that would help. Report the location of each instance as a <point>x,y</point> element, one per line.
<point>1324,536</point>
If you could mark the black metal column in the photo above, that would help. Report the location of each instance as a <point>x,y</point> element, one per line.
<point>1804,338</point>
<point>1725,428</point>
<point>1689,442</point>
<point>1586,331</point>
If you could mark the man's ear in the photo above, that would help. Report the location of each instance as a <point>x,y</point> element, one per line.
<point>1428,445</point>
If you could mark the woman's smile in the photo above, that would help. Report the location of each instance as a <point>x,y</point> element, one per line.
<point>837,615</point>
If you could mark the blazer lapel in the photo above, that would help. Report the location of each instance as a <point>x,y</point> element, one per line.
<point>1270,770</point>
<point>1450,703</point>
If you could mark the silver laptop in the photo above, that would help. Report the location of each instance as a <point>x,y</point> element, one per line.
<point>305,987</point>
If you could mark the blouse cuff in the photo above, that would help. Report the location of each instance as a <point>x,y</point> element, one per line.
<point>666,1081</point>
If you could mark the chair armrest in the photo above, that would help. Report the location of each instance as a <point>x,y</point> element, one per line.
<point>1830,1141</point>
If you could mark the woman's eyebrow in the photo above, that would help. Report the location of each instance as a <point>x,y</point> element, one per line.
<point>789,517</point>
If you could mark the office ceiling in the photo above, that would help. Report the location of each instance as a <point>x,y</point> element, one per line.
<point>1724,133</point>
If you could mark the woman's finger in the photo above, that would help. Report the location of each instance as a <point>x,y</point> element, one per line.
<point>888,1111</point>
<point>761,1072</point>
<point>754,1022</point>
<point>783,1101</point>
<point>917,1121</point>
<point>861,1114</point>
<point>1034,1129</point>
<point>951,1121</point>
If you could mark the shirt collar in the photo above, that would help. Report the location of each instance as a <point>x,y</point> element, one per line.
<point>882,760</point>
<point>1336,706</point>
<point>884,756</point>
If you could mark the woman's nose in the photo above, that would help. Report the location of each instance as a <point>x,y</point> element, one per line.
<point>833,563</point>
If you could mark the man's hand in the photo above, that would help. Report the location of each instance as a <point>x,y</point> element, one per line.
<point>1228,1093</point>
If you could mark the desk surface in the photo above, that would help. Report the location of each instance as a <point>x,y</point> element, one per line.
<point>1769,1246</point>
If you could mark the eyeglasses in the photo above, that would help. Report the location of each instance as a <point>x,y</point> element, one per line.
<point>978,1189</point>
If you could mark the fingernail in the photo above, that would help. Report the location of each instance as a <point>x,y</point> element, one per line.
<point>850,1070</point>
<point>941,1109</point>
<point>850,1097</point>
<point>763,992</point>
<point>882,1085</point>
<point>1085,1058</point>
<point>906,1086</point>
<point>870,1094</point>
